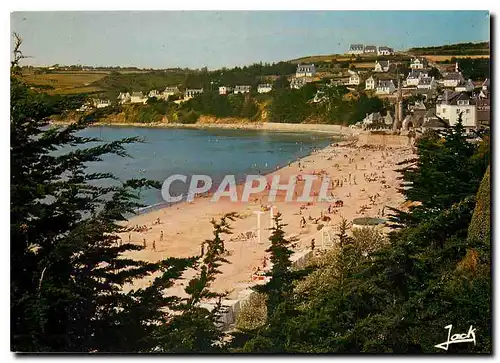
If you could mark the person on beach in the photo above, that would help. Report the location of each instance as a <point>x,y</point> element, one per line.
<point>161,236</point>
<point>302,222</point>
<point>313,244</point>
<point>154,246</point>
<point>144,242</point>
<point>202,249</point>
<point>129,237</point>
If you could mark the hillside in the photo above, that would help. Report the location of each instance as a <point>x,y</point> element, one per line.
<point>482,48</point>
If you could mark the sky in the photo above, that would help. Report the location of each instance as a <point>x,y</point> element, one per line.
<point>215,39</point>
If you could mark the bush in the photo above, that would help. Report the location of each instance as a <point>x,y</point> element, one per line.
<point>254,313</point>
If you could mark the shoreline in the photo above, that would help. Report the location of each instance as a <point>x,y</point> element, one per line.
<point>258,126</point>
<point>185,225</point>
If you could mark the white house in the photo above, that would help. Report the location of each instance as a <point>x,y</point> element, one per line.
<point>426,83</point>
<point>370,83</point>
<point>138,97</point>
<point>242,89</point>
<point>385,87</point>
<point>354,79</point>
<point>418,63</point>
<point>264,88</point>
<point>98,103</point>
<point>383,50</point>
<point>123,97</point>
<point>191,92</point>
<point>154,94</point>
<point>224,90</point>
<point>451,105</point>
<point>467,86</point>
<point>372,118</point>
<point>382,66</point>
<point>370,50</point>
<point>414,77</point>
<point>453,79</point>
<point>297,83</point>
<point>356,49</point>
<point>169,91</point>
<point>305,70</point>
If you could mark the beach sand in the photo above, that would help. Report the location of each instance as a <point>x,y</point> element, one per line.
<point>364,172</point>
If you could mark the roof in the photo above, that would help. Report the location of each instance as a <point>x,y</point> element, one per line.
<point>433,122</point>
<point>419,59</point>
<point>383,47</point>
<point>265,85</point>
<point>385,83</point>
<point>305,66</point>
<point>356,46</point>
<point>383,63</point>
<point>415,73</point>
<point>137,94</point>
<point>424,81</point>
<point>453,76</point>
<point>370,48</point>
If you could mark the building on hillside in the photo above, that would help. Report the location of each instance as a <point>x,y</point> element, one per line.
<point>356,49</point>
<point>154,94</point>
<point>452,79</point>
<point>418,63</point>
<point>382,66</point>
<point>372,118</point>
<point>483,110</point>
<point>138,97</point>
<point>98,103</point>
<point>385,87</point>
<point>224,90</point>
<point>370,50</point>
<point>413,77</point>
<point>305,70</point>
<point>426,83</point>
<point>384,50</point>
<point>192,92</point>
<point>123,97</point>
<point>297,83</point>
<point>242,89</point>
<point>370,83</point>
<point>451,105</point>
<point>264,88</point>
<point>354,79</point>
<point>466,86</point>
<point>169,91</point>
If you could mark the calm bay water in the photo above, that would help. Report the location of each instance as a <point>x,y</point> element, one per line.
<point>210,152</point>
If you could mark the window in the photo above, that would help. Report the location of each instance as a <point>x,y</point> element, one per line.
<point>467,111</point>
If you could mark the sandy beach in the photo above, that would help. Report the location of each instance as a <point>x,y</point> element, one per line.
<point>363,178</point>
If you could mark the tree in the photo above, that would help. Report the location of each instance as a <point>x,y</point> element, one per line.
<point>68,264</point>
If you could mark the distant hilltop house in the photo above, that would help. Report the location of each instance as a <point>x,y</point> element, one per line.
<point>305,70</point>
<point>224,90</point>
<point>264,88</point>
<point>123,97</point>
<point>382,66</point>
<point>356,49</point>
<point>451,105</point>
<point>453,79</point>
<point>370,83</point>
<point>242,89</point>
<point>191,92</point>
<point>138,97</point>
<point>418,63</point>
<point>297,83</point>
<point>370,50</point>
<point>169,91</point>
<point>385,87</point>
<point>354,79</point>
<point>384,50</point>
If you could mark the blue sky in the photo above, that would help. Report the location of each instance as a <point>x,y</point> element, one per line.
<point>214,39</point>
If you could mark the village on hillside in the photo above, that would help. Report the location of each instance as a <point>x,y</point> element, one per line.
<point>430,91</point>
